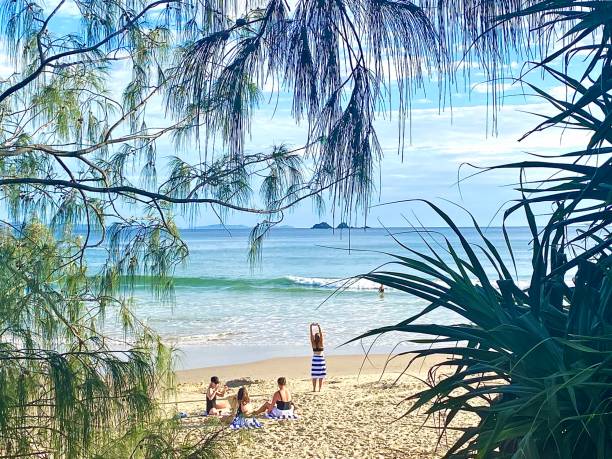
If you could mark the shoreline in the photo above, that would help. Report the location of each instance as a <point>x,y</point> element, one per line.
<point>298,367</point>
<point>196,356</point>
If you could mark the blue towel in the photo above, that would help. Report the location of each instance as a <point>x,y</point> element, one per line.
<point>282,417</point>
<point>241,422</point>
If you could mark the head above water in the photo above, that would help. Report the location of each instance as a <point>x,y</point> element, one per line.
<point>282,381</point>
<point>214,380</point>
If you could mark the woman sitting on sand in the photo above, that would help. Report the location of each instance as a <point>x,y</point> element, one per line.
<point>281,404</point>
<point>318,369</point>
<point>245,407</point>
<point>214,406</point>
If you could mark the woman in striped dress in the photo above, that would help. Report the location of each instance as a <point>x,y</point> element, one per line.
<point>318,370</point>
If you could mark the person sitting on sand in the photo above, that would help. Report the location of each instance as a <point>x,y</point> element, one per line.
<point>214,406</point>
<point>281,404</point>
<point>318,369</point>
<point>245,407</point>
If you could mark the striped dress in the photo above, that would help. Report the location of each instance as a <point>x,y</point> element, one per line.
<point>318,369</point>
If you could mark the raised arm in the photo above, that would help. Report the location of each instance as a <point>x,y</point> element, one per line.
<point>320,333</point>
<point>310,329</point>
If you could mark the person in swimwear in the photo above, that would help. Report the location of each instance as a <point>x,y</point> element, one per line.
<point>318,367</point>
<point>281,403</point>
<point>244,405</point>
<point>214,406</point>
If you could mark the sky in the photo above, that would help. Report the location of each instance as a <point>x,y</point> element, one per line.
<point>441,143</point>
<point>434,163</point>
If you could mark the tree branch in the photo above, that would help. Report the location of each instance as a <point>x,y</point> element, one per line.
<point>32,76</point>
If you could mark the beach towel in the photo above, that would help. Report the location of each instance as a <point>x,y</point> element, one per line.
<point>318,368</point>
<point>282,415</point>
<point>218,415</point>
<point>240,422</point>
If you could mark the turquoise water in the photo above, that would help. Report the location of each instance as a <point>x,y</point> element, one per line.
<point>243,314</point>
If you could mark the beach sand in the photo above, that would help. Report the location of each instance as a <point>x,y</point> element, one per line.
<point>357,415</point>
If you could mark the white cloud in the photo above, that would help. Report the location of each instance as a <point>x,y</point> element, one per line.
<point>68,8</point>
<point>7,68</point>
<point>460,134</point>
<point>562,92</point>
<point>484,88</point>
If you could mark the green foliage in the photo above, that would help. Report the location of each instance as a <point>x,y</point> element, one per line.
<point>533,365</point>
<point>86,117</point>
<point>78,146</point>
<point>63,386</point>
<point>205,63</point>
<point>167,440</point>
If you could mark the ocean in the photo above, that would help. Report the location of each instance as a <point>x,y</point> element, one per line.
<point>226,312</point>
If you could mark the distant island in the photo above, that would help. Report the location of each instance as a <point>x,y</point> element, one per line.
<point>343,225</point>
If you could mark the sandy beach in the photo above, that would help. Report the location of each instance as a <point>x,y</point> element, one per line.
<point>357,415</point>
